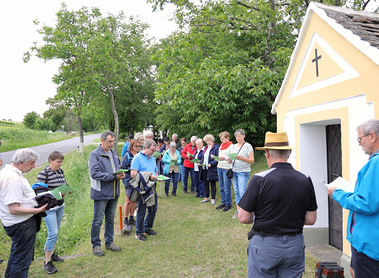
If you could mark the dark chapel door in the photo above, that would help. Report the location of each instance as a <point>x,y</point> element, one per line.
<point>334,156</point>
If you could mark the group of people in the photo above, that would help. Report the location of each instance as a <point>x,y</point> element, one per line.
<point>278,202</point>
<point>206,165</point>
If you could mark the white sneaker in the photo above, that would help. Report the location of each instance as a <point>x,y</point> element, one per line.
<point>235,215</point>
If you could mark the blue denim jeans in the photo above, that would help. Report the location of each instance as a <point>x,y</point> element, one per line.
<point>141,225</point>
<point>225,183</point>
<point>101,209</point>
<point>22,250</point>
<point>174,177</point>
<point>199,184</point>
<point>181,167</point>
<point>187,171</point>
<point>53,221</point>
<point>240,180</point>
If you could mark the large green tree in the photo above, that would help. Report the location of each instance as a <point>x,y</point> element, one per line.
<point>99,56</point>
<point>224,69</point>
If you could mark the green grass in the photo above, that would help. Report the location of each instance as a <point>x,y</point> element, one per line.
<point>17,137</point>
<point>194,240</point>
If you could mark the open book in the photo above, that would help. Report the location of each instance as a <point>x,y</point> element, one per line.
<point>341,183</point>
<point>57,192</point>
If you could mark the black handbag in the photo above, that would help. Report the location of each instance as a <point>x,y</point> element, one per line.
<point>229,173</point>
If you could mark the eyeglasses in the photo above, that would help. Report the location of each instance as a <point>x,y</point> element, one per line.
<point>110,141</point>
<point>152,149</point>
<point>137,146</point>
<point>359,139</point>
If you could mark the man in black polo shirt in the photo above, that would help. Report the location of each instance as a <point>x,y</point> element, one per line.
<point>280,201</point>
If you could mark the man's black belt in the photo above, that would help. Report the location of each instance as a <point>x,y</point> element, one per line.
<point>264,234</point>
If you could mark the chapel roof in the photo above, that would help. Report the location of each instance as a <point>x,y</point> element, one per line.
<point>361,23</point>
<point>360,28</point>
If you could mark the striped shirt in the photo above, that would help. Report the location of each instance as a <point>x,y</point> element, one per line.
<point>52,178</point>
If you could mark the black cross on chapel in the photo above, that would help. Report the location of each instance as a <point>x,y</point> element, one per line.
<point>316,60</point>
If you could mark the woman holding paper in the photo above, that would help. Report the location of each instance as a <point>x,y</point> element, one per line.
<point>222,167</point>
<point>199,184</point>
<point>53,176</point>
<point>244,157</point>
<point>187,153</point>
<point>209,169</point>
<point>171,161</point>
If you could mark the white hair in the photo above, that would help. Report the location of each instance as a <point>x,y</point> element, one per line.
<point>368,126</point>
<point>280,153</point>
<point>138,136</point>
<point>24,155</point>
<point>199,141</point>
<point>193,138</point>
<point>148,134</point>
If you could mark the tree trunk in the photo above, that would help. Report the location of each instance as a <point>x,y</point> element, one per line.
<point>115,115</point>
<point>81,144</point>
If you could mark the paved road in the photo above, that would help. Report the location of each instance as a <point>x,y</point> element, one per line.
<point>64,146</point>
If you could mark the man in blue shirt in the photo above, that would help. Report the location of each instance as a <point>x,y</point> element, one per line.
<point>145,162</point>
<point>363,221</point>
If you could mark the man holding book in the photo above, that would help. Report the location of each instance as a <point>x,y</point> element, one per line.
<point>105,190</point>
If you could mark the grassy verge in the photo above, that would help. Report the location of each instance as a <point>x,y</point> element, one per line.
<point>194,240</point>
<point>17,137</point>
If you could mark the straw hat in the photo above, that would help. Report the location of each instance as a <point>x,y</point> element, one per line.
<point>275,141</point>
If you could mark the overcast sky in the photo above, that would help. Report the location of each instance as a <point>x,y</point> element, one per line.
<point>25,87</point>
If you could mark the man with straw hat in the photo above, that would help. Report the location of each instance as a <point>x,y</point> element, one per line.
<point>280,201</point>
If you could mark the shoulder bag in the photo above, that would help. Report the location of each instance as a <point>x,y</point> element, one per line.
<point>229,173</point>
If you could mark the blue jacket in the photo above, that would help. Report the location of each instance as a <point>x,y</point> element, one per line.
<point>199,155</point>
<point>363,221</point>
<point>164,148</point>
<point>166,159</point>
<point>125,164</point>
<point>125,148</point>
<point>212,172</point>
<point>104,184</point>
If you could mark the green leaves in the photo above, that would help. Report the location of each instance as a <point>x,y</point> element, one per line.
<point>225,72</point>
<point>105,62</point>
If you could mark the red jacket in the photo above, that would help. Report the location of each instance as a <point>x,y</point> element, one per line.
<point>191,150</point>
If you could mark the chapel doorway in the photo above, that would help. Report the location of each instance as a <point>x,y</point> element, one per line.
<point>334,160</point>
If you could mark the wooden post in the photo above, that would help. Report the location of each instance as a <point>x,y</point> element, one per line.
<point>120,218</point>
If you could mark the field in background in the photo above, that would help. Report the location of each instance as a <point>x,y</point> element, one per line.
<point>17,136</point>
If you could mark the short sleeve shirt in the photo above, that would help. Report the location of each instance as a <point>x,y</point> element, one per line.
<point>142,163</point>
<point>14,188</point>
<point>239,165</point>
<point>279,199</point>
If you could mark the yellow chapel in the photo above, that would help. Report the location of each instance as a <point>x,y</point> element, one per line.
<point>331,86</point>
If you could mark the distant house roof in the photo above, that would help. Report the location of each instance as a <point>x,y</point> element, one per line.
<point>360,28</point>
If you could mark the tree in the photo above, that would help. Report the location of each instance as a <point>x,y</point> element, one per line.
<point>224,73</point>
<point>31,120</point>
<point>55,113</point>
<point>99,57</point>
<point>224,70</point>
